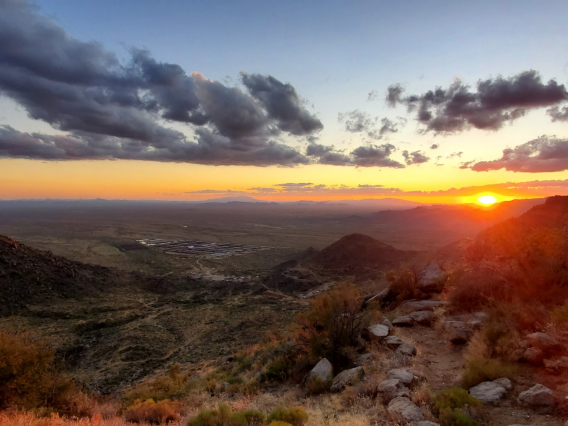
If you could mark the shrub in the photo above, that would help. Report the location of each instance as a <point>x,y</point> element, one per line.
<point>480,370</point>
<point>153,412</point>
<point>333,323</point>
<point>279,423</point>
<point>402,282</point>
<point>173,386</point>
<point>224,416</point>
<point>452,407</point>
<point>296,416</point>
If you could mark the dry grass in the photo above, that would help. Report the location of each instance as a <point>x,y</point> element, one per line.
<point>30,419</point>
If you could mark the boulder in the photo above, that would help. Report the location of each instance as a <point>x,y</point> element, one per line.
<point>347,378</point>
<point>404,321</point>
<point>533,355</point>
<point>393,342</point>
<point>488,392</point>
<point>389,325</point>
<point>402,409</point>
<point>405,376</point>
<point>537,396</point>
<point>363,359</point>
<point>409,306</point>
<point>380,296</point>
<point>422,317</point>
<point>556,364</point>
<point>545,342</point>
<point>391,389</point>
<point>431,278</point>
<point>322,373</point>
<point>377,332</point>
<point>457,331</point>
<point>406,349</point>
<point>506,383</point>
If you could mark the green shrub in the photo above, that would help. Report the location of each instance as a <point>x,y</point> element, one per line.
<point>248,418</point>
<point>296,416</point>
<point>451,407</point>
<point>316,385</point>
<point>224,416</point>
<point>480,370</point>
<point>173,386</point>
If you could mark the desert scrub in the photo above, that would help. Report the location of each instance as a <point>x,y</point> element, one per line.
<point>153,412</point>
<point>296,416</point>
<point>174,386</point>
<point>452,406</point>
<point>480,370</point>
<point>224,416</point>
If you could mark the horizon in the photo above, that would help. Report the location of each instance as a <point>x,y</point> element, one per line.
<point>127,101</point>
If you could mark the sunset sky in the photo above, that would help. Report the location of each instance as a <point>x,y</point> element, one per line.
<point>434,102</point>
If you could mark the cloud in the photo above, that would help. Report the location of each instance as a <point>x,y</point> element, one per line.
<point>415,157</point>
<point>294,185</point>
<point>434,146</point>
<point>373,95</point>
<point>112,109</point>
<point>375,155</point>
<point>493,103</point>
<point>558,114</point>
<point>540,155</point>
<point>356,121</point>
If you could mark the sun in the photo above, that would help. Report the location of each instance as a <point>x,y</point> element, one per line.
<point>487,200</point>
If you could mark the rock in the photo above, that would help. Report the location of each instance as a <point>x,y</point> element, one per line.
<point>545,342</point>
<point>533,355</point>
<point>537,396</point>
<point>347,378</point>
<point>377,332</point>
<point>506,383</point>
<point>389,325</point>
<point>556,364</point>
<point>432,278</point>
<point>488,392</point>
<point>409,306</point>
<point>391,389</point>
<point>402,409</point>
<point>322,373</point>
<point>405,376</point>
<point>380,296</point>
<point>404,321</point>
<point>426,423</point>
<point>419,294</point>
<point>422,317</point>
<point>457,331</point>
<point>406,349</point>
<point>363,359</point>
<point>393,342</point>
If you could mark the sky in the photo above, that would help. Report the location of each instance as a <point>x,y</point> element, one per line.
<point>437,101</point>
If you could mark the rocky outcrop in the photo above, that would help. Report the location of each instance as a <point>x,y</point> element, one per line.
<point>405,376</point>
<point>431,278</point>
<point>402,409</point>
<point>422,317</point>
<point>403,321</point>
<point>537,396</point>
<point>421,305</point>
<point>392,388</point>
<point>347,378</point>
<point>488,392</point>
<point>321,375</point>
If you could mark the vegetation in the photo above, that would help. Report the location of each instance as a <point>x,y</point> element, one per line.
<point>174,386</point>
<point>452,407</point>
<point>224,416</point>
<point>153,412</point>
<point>480,370</point>
<point>296,416</point>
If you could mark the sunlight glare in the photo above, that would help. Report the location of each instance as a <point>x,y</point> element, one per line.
<point>487,200</point>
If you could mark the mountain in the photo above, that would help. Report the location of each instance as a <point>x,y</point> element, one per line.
<point>240,199</point>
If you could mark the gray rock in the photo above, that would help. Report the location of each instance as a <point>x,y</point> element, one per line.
<point>400,360</point>
<point>393,342</point>
<point>488,392</point>
<point>363,359</point>
<point>556,364</point>
<point>533,355</point>
<point>537,396</point>
<point>404,321</point>
<point>458,332</point>
<point>545,342</point>
<point>380,296</point>
<point>377,332</point>
<point>392,388</point>
<point>506,383</point>
<point>422,317</point>
<point>421,305</point>
<point>406,349</point>
<point>389,325</point>
<point>426,423</point>
<point>347,378</point>
<point>402,409</point>
<point>322,372</point>
<point>405,376</point>
<point>431,278</point>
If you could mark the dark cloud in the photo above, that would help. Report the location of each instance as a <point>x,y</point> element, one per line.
<point>415,157</point>
<point>375,155</point>
<point>539,155</point>
<point>112,109</point>
<point>356,121</point>
<point>282,103</point>
<point>373,95</point>
<point>455,154</point>
<point>558,114</point>
<point>494,103</point>
<point>294,184</point>
<point>434,146</point>
<point>387,126</point>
